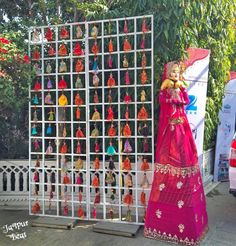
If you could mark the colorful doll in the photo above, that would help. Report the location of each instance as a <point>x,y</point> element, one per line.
<point>143,114</point>
<point>49,129</point>
<point>35,116</point>
<point>77,113</point>
<point>79,164</point>
<point>143,42</point>
<point>144,60</point>
<point>125,62</point>
<point>51,115</point>
<point>64,148</point>
<point>127,98</point>
<point>111,150</point>
<point>111,81</point>
<point>48,99</point>
<point>127,113</point>
<point>145,145</point>
<point>110,112</point>
<point>78,148</point>
<point>127,147</point>
<point>62,51</point>
<point>97,147</point>
<point>64,132</point>
<point>78,82</point>
<point>126,45</point>
<point>95,80</point>
<point>36,208</point>
<point>128,199</point>
<point>77,50</point>
<point>49,84</point>
<point>95,131</point>
<point>109,97</point>
<point>144,26</point>
<point>48,35</point>
<point>145,166</point>
<point>79,179</point>
<point>111,165</point>
<point>35,99</point>
<point>37,86</point>
<point>129,181</point>
<point>34,130</point>
<point>111,131</point>
<point>144,77</point>
<point>127,79</point>
<point>127,130</point>
<point>62,83</point>
<point>51,51</point>
<point>143,130</point>
<point>125,27</point>
<point>62,101</point>
<point>143,96</point>
<point>109,177</point>
<point>36,55</point>
<point>95,181</point>
<point>80,212</point>
<point>96,115</point>
<point>62,67</point>
<point>96,163</point>
<point>79,67</point>
<point>143,198</point>
<point>35,36</point>
<point>49,149</point>
<point>78,100</point>
<point>79,32</point>
<point>94,32</point>
<point>127,164</point>
<point>110,46</point>
<point>95,97</point>
<point>48,68</point>
<point>66,179</point>
<point>110,62</point>
<point>64,34</point>
<point>95,49</point>
<point>79,133</point>
<point>36,144</point>
<point>95,65</point>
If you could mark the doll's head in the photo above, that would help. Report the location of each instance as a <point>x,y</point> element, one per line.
<point>171,76</point>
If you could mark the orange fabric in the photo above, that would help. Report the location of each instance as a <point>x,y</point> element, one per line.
<point>111,131</point>
<point>77,50</point>
<point>128,199</point>
<point>127,164</point>
<point>64,33</point>
<point>111,81</point>
<point>79,67</point>
<point>127,45</point>
<point>142,114</point>
<point>64,148</point>
<point>36,55</point>
<point>145,166</point>
<point>62,50</point>
<point>143,198</point>
<point>127,130</point>
<point>95,49</point>
<point>78,100</point>
<point>144,77</point>
<point>51,51</point>
<point>110,46</point>
<point>79,133</point>
<point>35,208</point>
<point>80,212</point>
<point>96,163</point>
<point>66,180</point>
<point>95,182</point>
<point>77,113</point>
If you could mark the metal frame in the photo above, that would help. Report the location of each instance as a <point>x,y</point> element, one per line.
<point>88,190</point>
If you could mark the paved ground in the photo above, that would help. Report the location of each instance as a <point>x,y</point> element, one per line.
<point>222,223</point>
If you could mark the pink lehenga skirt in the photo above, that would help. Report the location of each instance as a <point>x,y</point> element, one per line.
<point>176,209</point>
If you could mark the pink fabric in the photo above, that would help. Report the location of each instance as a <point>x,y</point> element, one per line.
<point>177,209</point>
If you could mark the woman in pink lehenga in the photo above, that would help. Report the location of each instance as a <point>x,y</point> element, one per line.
<point>177,208</point>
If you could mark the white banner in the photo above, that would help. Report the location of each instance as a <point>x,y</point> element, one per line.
<point>196,75</point>
<point>225,131</point>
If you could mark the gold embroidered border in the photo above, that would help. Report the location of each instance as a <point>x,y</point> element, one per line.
<point>153,234</point>
<point>177,171</point>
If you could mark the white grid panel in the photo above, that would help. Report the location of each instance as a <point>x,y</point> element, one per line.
<point>64,200</point>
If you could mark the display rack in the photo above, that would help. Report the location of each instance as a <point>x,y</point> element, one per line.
<point>84,161</point>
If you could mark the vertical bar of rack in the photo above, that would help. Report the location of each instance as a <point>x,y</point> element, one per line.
<point>135,113</point>
<point>118,123</point>
<point>71,120</point>
<point>29,125</point>
<point>43,121</point>
<point>152,90</point>
<point>87,112</point>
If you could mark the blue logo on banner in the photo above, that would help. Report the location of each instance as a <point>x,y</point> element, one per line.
<point>191,108</point>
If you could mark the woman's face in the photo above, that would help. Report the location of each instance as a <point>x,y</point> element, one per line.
<point>174,74</point>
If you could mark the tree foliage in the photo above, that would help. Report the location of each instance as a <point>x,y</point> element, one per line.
<point>178,24</point>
